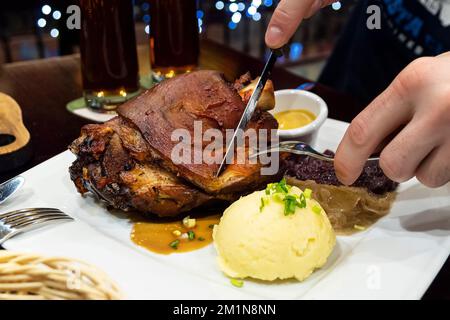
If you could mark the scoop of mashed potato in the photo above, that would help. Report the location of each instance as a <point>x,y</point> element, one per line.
<point>267,235</point>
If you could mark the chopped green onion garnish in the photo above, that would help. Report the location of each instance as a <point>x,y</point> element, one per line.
<point>174,244</point>
<point>237,283</point>
<point>302,201</point>
<point>191,235</point>
<point>307,193</point>
<point>278,197</point>
<point>280,192</point>
<point>264,202</point>
<point>280,187</point>
<point>201,239</point>
<point>316,209</point>
<point>290,203</point>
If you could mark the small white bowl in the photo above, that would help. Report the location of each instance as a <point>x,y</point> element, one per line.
<point>300,99</point>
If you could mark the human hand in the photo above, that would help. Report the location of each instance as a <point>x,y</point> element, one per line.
<point>415,109</point>
<point>287,17</point>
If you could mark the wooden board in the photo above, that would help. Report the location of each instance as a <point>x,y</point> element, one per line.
<point>14,137</point>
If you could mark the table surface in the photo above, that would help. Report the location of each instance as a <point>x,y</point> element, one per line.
<point>43,88</point>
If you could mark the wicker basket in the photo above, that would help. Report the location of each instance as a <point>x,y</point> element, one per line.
<point>32,276</point>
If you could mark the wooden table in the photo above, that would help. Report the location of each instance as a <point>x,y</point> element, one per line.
<point>43,87</point>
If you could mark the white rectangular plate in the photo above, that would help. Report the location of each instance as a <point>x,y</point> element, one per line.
<point>397,258</point>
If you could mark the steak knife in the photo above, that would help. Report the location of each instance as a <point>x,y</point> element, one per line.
<point>251,106</point>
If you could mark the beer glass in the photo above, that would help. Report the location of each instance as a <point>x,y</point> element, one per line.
<point>108,53</point>
<point>174,40</point>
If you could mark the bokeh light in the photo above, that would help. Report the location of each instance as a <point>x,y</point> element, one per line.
<point>56,14</point>
<point>296,50</point>
<point>256,3</point>
<point>220,5</point>
<point>232,25</point>
<point>252,10</point>
<point>145,6</point>
<point>46,9</point>
<point>336,5</point>
<point>41,22</point>
<point>54,33</point>
<point>256,16</point>
<point>233,7</point>
<point>236,17</point>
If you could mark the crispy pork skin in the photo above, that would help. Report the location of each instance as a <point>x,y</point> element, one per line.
<point>198,96</point>
<point>127,161</point>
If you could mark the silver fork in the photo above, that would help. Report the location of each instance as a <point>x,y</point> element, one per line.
<point>301,148</point>
<point>14,222</point>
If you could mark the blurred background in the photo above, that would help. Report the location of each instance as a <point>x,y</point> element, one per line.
<point>35,29</point>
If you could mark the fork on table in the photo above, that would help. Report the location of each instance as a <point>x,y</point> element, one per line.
<point>14,222</point>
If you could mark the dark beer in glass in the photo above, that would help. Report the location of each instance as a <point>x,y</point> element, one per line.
<point>174,40</point>
<point>108,53</point>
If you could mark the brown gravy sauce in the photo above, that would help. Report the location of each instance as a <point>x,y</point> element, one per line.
<point>157,236</point>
